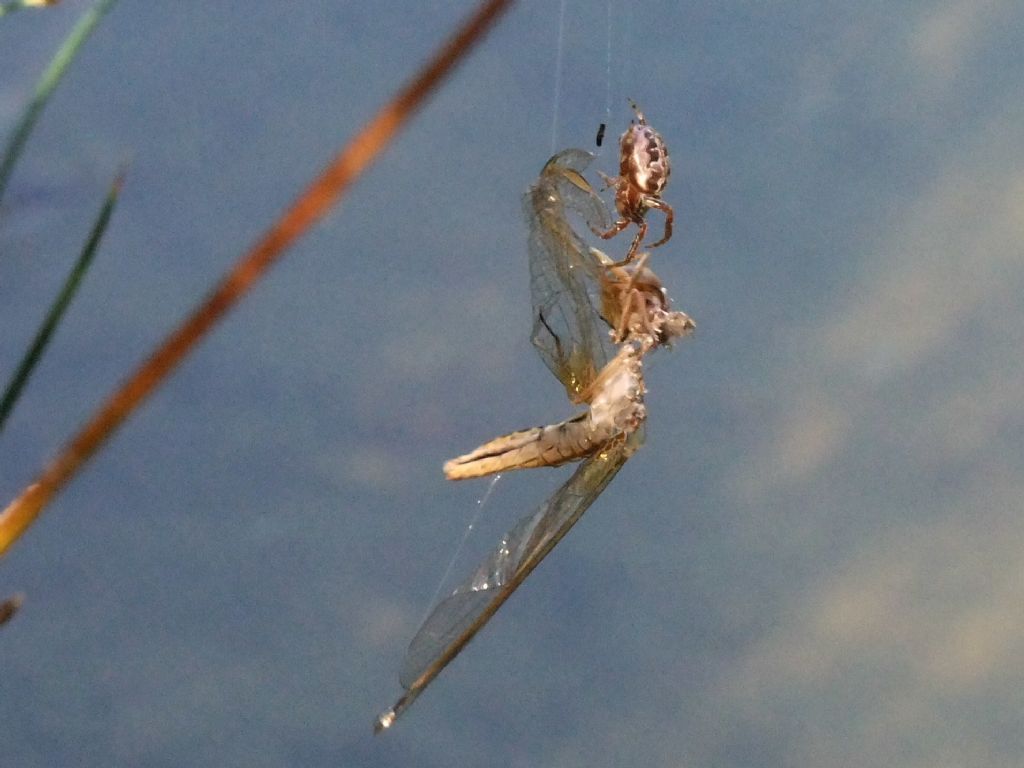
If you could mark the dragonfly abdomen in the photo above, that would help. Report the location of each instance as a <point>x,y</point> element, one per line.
<point>548,446</point>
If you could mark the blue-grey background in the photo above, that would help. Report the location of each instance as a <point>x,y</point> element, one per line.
<point>818,557</point>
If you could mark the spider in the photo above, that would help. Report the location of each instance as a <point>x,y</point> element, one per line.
<point>644,169</point>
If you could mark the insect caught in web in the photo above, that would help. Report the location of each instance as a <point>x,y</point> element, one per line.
<point>644,169</point>
<point>636,305</point>
<point>568,282</point>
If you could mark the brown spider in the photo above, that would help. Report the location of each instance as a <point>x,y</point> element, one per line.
<point>644,169</point>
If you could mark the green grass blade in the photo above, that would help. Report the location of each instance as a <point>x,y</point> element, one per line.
<point>53,317</point>
<point>17,5</point>
<point>46,85</point>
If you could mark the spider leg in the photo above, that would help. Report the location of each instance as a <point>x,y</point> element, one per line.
<point>661,205</point>
<point>634,246</point>
<point>620,225</point>
<point>639,114</point>
<point>610,182</point>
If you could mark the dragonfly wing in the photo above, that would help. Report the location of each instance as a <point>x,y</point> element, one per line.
<point>565,285</point>
<point>564,277</point>
<point>457,619</point>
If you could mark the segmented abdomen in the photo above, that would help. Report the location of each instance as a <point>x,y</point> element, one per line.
<point>547,446</point>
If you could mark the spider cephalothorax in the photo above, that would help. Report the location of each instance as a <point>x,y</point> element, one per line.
<point>644,169</point>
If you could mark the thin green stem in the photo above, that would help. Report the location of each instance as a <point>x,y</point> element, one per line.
<point>46,85</point>
<point>60,304</point>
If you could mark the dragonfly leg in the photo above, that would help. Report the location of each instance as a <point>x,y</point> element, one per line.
<point>634,303</point>
<point>641,262</point>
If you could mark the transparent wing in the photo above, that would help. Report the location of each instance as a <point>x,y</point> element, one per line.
<point>565,285</point>
<point>457,618</point>
<point>520,550</point>
<point>564,277</point>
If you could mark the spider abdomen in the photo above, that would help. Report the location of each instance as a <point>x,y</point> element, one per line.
<point>644,162</point>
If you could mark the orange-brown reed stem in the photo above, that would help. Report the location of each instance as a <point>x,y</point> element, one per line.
<point>332,184</point>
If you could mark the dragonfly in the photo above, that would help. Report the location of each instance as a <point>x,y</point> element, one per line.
<point>571,285</point>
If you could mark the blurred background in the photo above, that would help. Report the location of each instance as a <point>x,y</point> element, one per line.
<point>818,556</point>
